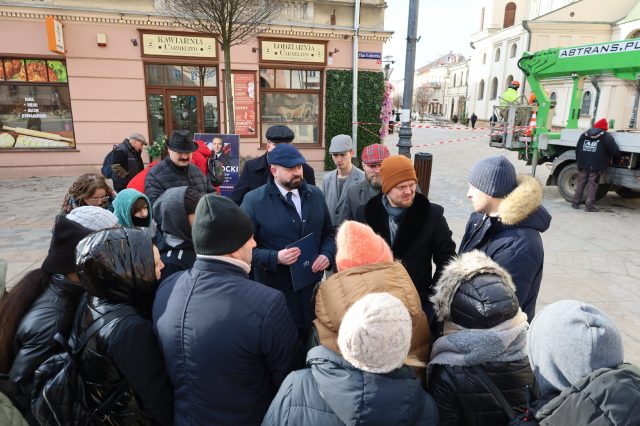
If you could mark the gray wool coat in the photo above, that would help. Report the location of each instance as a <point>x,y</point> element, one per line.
<point>330,190</point>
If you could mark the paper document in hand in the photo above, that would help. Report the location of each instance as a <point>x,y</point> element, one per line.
<point>301,273</point>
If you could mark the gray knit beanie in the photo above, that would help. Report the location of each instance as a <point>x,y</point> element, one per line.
<point>495,176</point>
<point>375,333</point>
<point>93,217</point>
<point>567,341</point>
<point>221,227</point>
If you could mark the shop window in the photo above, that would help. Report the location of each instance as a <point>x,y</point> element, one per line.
<point>181,97</point>
<point>34,96</point>
<point>291,97</point>
<point>267,78</point>
<point>586,103</point>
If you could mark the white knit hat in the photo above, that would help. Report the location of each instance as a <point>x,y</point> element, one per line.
<point>375,333</point>
<point>93,217</point>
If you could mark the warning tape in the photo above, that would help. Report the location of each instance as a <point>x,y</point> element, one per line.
<point>428,126</point>
<point>442,142</point>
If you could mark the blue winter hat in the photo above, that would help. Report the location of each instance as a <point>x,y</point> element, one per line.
<point>495,176</point>
<point>285,155</point>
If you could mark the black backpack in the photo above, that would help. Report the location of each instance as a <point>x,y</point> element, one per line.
<point>58,388</point>
<point>106,164</point>
<point>215,171</point>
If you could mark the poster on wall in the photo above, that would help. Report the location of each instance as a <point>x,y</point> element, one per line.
<point>35,106</point>
<point>225,150</point>
<point>244,102</point>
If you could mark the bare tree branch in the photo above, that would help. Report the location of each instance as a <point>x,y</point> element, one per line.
<point>230,22</point>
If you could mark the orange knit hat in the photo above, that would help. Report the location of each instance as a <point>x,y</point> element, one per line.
<point>358,245</point>
<point>394,170</point>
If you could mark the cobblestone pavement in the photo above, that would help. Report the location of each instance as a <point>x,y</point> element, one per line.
<point>593,257</point>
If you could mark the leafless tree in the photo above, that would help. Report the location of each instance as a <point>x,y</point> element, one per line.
<point>230,22</point>
<point>421,99</point>
<point>635,85</point>
<point>397,101</point>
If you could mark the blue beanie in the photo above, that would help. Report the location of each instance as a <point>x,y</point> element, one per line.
<point>495,176</point>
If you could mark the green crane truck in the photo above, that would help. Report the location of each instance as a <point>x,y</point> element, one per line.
<point>620,59</point>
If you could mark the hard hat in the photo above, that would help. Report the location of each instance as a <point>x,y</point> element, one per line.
<point>515,83</point>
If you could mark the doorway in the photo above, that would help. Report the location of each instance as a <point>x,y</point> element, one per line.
<point>185,110</point>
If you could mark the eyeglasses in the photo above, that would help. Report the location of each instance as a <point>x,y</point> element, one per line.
<point>96,200</point>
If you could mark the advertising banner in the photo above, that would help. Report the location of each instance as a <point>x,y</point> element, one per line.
<point>225,154</point>
<point>244,102</point>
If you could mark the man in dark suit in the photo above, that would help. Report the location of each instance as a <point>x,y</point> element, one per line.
<point>283,211</point>
<point>256,171</point>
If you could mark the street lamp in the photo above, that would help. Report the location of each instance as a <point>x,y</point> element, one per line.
<point>404,141</point>
<point>388,61</point>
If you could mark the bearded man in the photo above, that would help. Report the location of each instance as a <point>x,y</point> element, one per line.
<point>283,211</point>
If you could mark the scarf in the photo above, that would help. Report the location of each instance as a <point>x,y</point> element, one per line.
<point>395,216</point>
<point>506,342</point>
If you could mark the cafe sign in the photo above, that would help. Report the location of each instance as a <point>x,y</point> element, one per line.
<point>184,45</point>
<point>289,51</point>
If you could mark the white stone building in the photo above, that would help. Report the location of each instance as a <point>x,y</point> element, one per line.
<point>508,28</point>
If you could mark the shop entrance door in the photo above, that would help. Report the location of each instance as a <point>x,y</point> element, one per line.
<point>184,106</point>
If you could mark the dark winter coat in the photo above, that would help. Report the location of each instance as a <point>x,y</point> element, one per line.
<point>276,225</point>
<point>423,235</point>
<point>228,343</point>
<point>53,312</point>
<point>512,239</point>
<point>463,399</point>
<point>594,149</point>
<point>356,197</point>
<point>333,392</point>
<point>607,397</point>
<point>478,297</point>
<point>167,175</point>
<point>126,349</point>
<point>130,160</point>
<point>256,172</point>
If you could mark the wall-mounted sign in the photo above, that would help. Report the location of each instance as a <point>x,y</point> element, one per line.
<point>369,55</point>
<point>289,51</point>
<point>183,45</point>
<point>244,102</point>
<point>55,40</point>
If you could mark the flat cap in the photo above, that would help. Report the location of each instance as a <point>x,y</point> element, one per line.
<point>280,133</point>
<point>285,155</point>
<point>341,143</point>
<point>138,137</point>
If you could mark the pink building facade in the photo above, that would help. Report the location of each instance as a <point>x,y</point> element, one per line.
<point>62,112</point>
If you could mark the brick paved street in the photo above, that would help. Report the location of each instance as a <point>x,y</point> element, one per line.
<point>592,257</point>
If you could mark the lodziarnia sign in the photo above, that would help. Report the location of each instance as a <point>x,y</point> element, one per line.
<point>184,45</point>
<point>291,51</point>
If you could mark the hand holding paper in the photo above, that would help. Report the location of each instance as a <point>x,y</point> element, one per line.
<point>288,256</point>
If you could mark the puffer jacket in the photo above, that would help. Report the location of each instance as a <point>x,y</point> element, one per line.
<point>129,160</point>
<point>9,415</point>
<point>117,269</point>
<point>607,397</point>
<point>336,295</point>
<point>478,295</point>
<point>512,239</point>
<point>51,313</point>
<point>333,392</point>
<point>167,175</point>
<point>201,156</point>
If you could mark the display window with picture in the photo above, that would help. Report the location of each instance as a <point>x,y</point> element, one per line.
<point>35,107</point>
<point>292,97</point>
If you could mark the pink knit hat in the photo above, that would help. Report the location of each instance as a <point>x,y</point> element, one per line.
<point>358,245</point>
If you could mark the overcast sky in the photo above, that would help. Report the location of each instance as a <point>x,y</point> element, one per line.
<point>445,25</point>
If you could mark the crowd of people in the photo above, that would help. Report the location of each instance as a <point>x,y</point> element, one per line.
<point>287,304</point>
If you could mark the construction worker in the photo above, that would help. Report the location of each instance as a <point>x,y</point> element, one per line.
<point>511,94</point>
